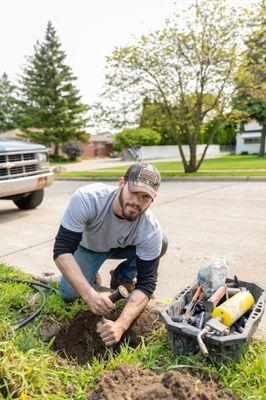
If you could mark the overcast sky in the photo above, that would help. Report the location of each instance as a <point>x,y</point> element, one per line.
<point>88,30</point>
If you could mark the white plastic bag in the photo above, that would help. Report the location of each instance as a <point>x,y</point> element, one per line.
<point>212,275</point>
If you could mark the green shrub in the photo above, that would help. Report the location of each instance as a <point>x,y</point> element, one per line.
<point>137,136</point>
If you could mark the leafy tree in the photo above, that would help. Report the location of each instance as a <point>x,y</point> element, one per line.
<point>225,136</point>
<point>186,68</point>
<point>8,104</point>
<point>152,116</point>
<point>137,136</point>
<point>50,101</point>
<point>251,77</point>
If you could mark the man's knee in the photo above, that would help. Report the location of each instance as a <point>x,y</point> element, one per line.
<point>164,245</point>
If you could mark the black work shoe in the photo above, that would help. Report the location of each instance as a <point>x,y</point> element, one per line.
<point>98,279</point>
<point>114,283</point>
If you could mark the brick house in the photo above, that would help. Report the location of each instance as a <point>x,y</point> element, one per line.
<point>100,145</point>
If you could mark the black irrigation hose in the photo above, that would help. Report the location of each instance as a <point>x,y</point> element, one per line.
<point>26,321</point>
<point>30,283</point>
<point>35,285</point>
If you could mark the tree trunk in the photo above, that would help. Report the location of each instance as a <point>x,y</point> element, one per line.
<point>184,161</point>
<point>56,150</point>
<point>179,144</point>
<point>192,166</point>
<point>263,141</point>
<point>215,128</point>
<point>203,155</point>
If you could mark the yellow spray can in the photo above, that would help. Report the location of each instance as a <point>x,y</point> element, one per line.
<point>234,308</point>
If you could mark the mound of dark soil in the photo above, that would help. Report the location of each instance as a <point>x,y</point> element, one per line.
<point>127,383</point>
<point>79,339</point>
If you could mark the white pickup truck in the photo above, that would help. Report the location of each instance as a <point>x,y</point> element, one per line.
<point>24,173</point>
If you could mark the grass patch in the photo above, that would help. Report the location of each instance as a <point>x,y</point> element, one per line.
<point>58,160</point>
<point>117,173</point>
<point>52,163</point>
<point>29,369</point>
<point>230,165</point>
<point>222,163</point>
<point>248,378</point>
<point>53,160</point>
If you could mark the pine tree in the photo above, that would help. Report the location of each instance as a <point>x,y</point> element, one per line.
<point>50,101</point>
<point>7,104</point>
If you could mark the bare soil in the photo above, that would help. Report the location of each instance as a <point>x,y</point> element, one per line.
<point>80,341</point>
<point>128,383</point>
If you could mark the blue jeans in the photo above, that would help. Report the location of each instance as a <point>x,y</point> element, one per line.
<point>90,262</point>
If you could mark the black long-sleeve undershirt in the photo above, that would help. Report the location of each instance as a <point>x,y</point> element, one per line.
<point>147,275</point>
<point>66,241</point>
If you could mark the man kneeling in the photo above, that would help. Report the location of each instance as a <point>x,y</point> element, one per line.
<point>105,222</point>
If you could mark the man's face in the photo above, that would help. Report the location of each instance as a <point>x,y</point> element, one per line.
<point>133,204</point>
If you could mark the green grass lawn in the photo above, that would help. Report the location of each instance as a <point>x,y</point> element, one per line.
<point>224,163</point>
<point>235,162</point>
<point>29,369</point>
<point>230,165</point>
<point>61,162</point>
<point>116,174</point>
<point>232,162</point>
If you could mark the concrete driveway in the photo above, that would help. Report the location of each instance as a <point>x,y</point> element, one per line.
<point>201,220</point>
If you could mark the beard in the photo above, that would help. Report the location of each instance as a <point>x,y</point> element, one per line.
<point>128,214</point>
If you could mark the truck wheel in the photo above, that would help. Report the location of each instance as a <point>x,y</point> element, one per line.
<point>33,200</point>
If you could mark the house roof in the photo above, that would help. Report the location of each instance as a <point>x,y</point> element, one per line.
<point>17,133</point>
<point>251,135</point>
<point>101,138</point>
<point>12,134</point>
<point>249,127</point>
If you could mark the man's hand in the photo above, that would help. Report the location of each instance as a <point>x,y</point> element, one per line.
<point>110,331</point>
<point>100,303</point>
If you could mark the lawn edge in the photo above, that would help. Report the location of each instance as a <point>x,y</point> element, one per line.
<point>222,178</point>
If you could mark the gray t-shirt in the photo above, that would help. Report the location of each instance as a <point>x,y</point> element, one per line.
<point>90,211</point>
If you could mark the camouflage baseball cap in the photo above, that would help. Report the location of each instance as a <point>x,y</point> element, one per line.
<point>143,177</point>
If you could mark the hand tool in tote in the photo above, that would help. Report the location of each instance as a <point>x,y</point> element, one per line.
<point>187,317</point>
<point>190,309</point>
<point>212,301</point>
<point>225,315</point>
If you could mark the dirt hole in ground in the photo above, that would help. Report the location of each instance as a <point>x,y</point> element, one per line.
<point>128,383</point>
<point>80,341</point>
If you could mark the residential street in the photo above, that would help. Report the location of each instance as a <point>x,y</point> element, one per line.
<point>105,163</point>
<point>102,163</point>
<point>201,220</point>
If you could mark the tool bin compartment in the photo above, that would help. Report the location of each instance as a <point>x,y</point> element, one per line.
<point>183,337</point>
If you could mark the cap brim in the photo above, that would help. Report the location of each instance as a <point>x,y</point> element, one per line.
<point>136,186</point>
